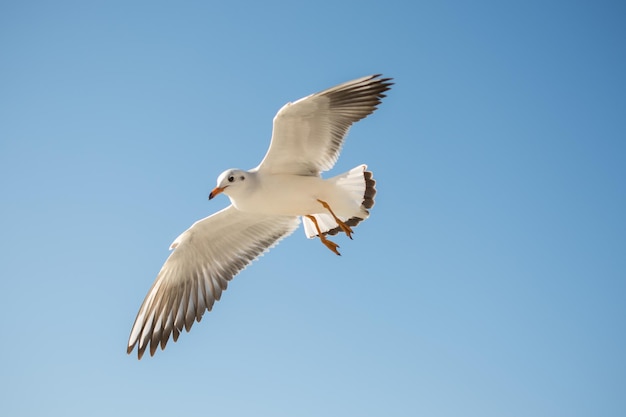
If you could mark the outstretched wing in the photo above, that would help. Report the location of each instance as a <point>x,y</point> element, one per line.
<point>205,257</point>
<point>308,133</point>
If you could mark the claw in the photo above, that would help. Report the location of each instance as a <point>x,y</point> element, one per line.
<point>328,243</point>
<point>346,229</point>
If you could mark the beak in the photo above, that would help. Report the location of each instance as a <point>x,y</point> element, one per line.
<point>216,191</point>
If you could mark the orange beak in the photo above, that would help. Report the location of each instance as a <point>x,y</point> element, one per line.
<point>216,191</point>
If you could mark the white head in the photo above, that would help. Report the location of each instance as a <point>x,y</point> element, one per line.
<point>231,182</point>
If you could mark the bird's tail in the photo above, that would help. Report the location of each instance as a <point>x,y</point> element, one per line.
<point>360,187</point>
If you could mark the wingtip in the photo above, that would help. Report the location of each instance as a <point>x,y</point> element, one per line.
<point>140,352</point>
<point>130,347</point>
<point>378,76</point>
<point>153,348</point>
<point>380,84</point>
<point>386,82</point>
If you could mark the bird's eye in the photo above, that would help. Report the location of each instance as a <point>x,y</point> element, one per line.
<point>231,179</point>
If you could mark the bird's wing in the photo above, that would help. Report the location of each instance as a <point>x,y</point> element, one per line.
<point>308,133</point>
<point>205,257</point>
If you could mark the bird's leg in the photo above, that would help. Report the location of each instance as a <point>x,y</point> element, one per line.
<point>329,244</point>
<point>347,230</point>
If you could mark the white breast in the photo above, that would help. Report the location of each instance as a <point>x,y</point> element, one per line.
<point>290,195</point>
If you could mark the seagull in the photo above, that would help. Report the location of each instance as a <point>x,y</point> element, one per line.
<point>267,203</point>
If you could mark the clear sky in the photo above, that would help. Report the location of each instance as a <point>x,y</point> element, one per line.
<point>490,279</point>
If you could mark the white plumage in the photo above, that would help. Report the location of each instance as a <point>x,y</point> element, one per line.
<point>266,204</point>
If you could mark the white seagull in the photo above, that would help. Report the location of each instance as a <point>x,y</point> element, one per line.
<point>266,204</point>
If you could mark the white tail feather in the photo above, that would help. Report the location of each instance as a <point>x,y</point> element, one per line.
<point>353,186</point>
<point>325,222</point>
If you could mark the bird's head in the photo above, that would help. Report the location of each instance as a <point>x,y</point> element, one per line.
<point>230,182</point>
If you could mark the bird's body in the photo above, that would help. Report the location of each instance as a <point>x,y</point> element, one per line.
<point>294,195</point>
<point>266,205</point>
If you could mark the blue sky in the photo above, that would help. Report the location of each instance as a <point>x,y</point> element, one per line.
<point>489,281</point>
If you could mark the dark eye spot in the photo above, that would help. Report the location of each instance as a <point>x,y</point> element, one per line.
<point>231,179</point>
<point>242,178</point>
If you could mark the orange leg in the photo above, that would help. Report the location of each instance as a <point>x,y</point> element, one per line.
<point>347,230</point>
<point>329,244</point>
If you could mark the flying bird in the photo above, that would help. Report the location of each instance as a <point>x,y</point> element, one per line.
<point>267,203</point>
